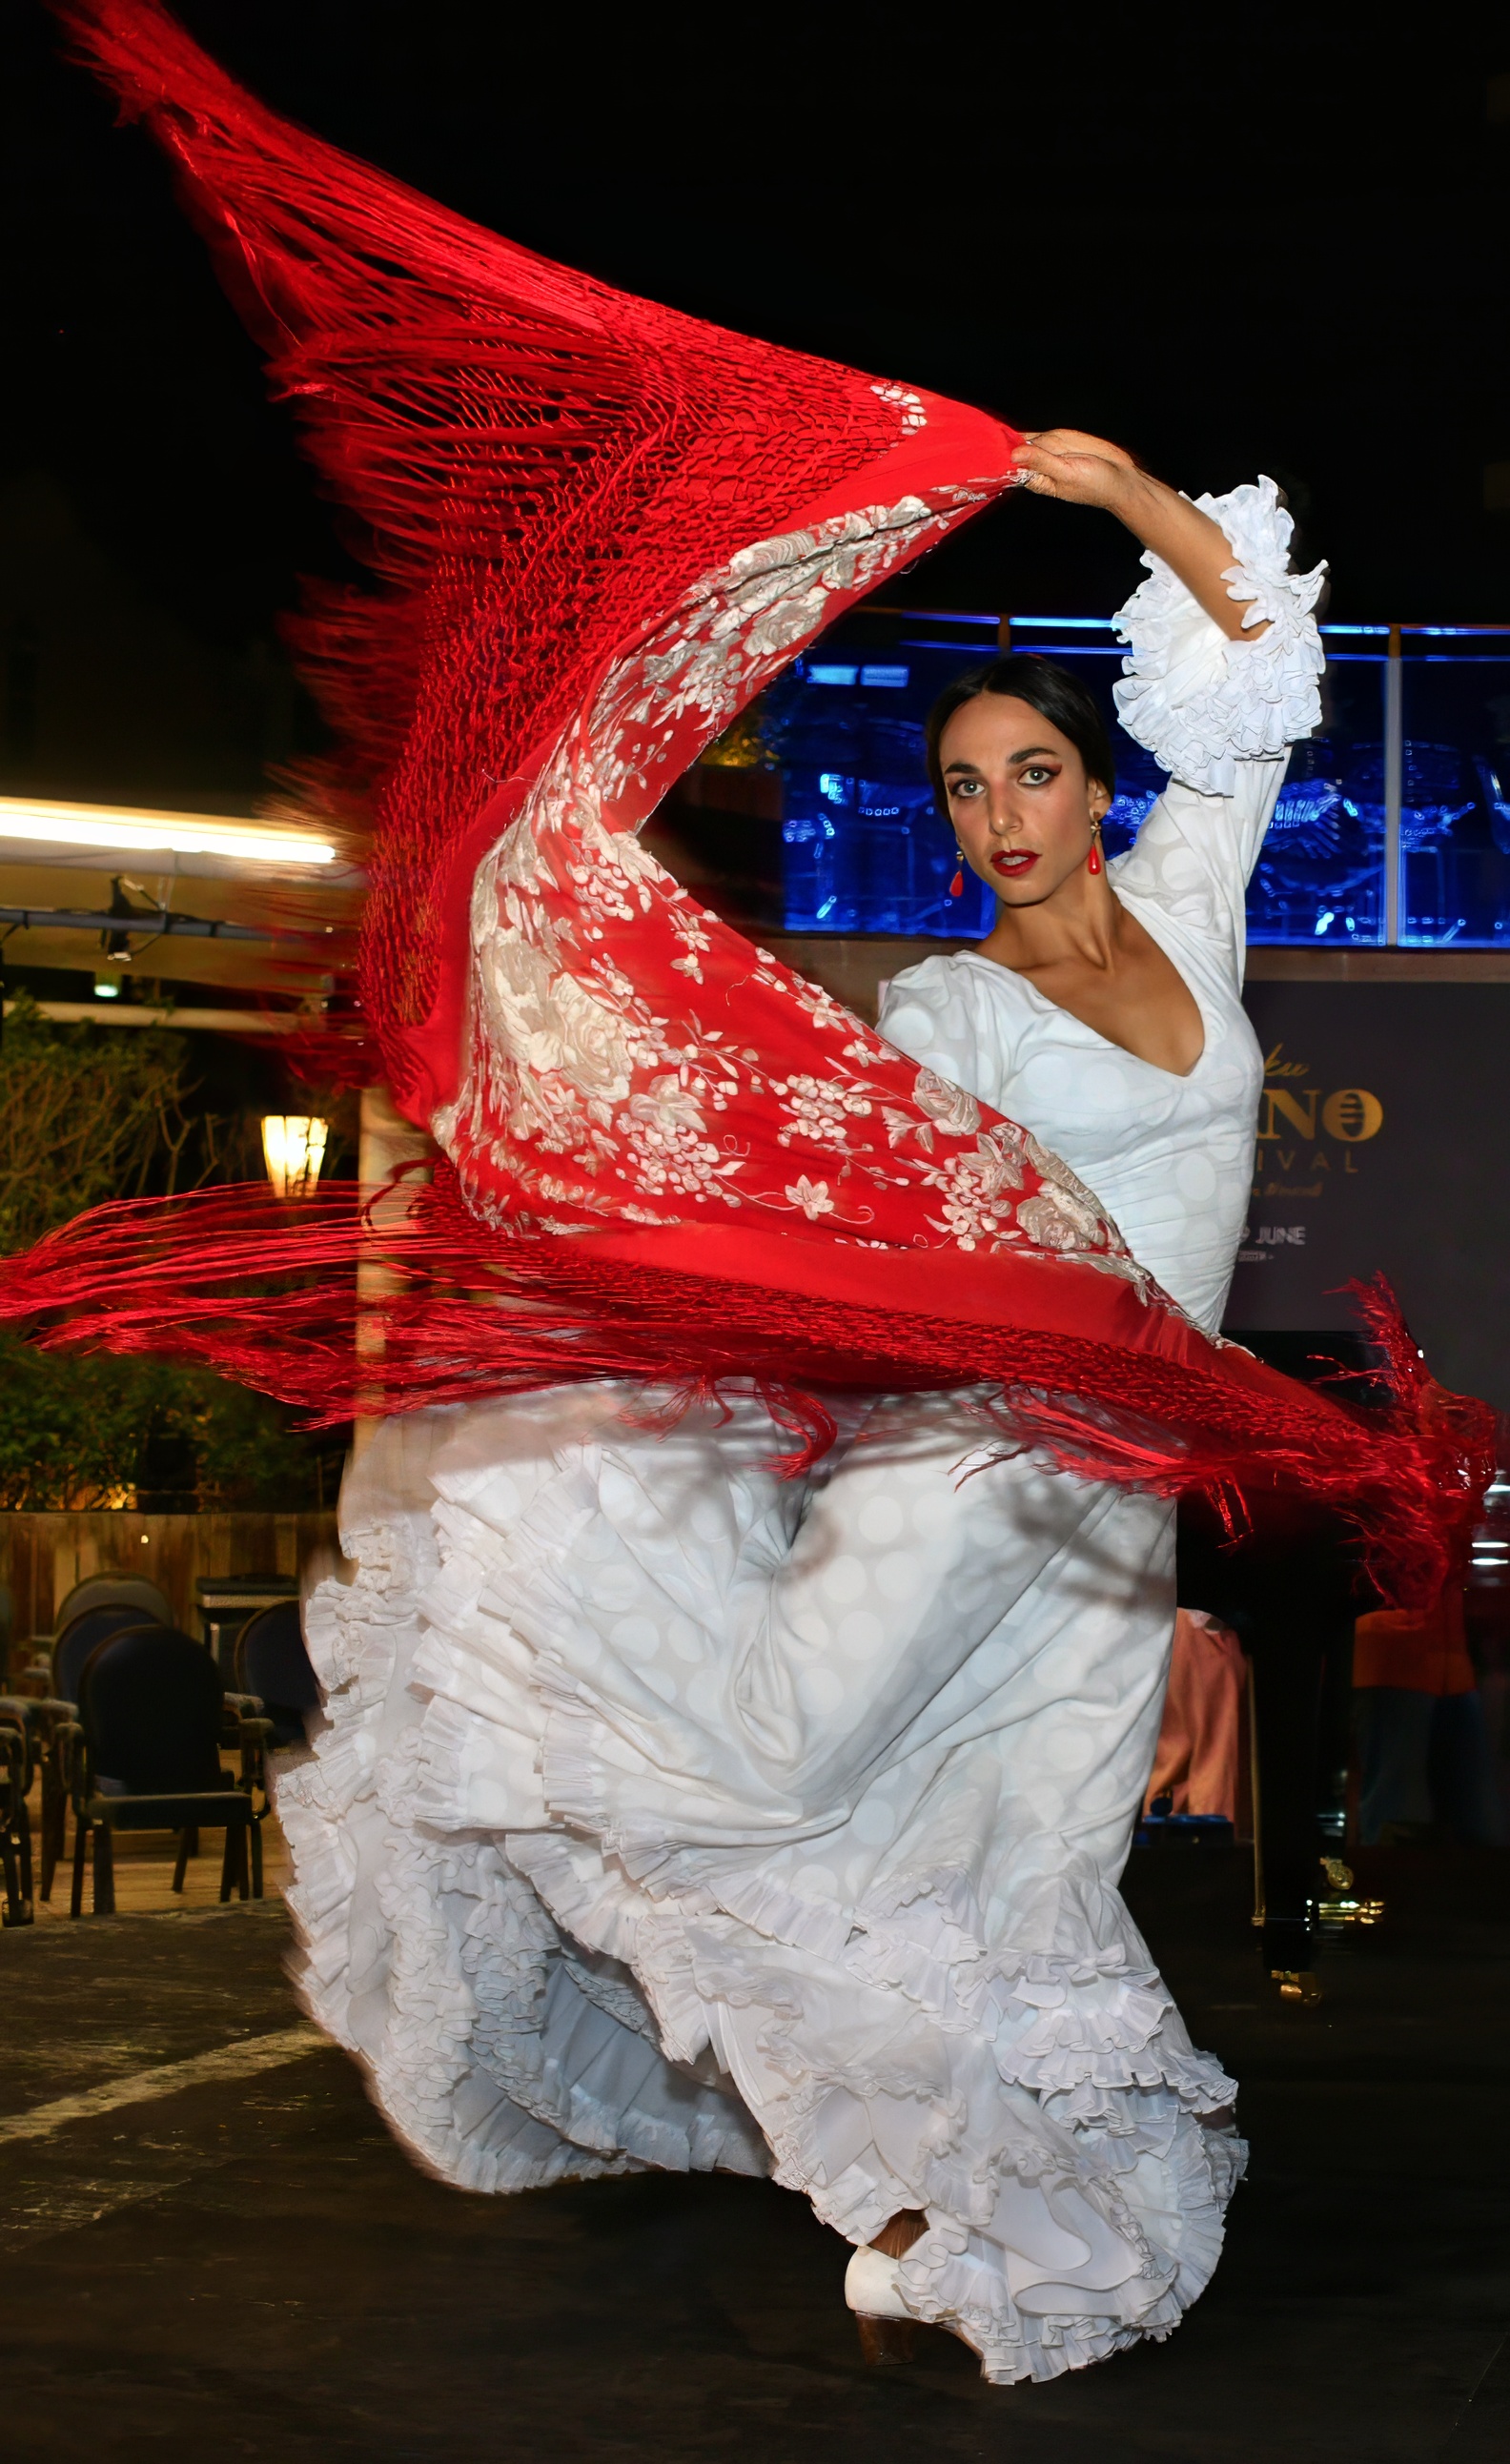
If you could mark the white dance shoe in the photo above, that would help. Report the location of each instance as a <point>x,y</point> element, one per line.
<point>872,2291</point>
<point>872,2287</point>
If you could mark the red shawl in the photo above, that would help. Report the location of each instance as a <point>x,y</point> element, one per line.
<point>599,528</point>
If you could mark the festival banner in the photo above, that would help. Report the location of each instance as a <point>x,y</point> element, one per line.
<point>1381,1146</point>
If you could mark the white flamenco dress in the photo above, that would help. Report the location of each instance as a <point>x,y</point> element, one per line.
<point>669,1813</point>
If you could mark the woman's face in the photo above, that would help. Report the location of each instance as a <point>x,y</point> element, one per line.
<point>1019,798</point>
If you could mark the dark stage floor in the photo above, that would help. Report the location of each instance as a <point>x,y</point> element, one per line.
<point>243,2264</point>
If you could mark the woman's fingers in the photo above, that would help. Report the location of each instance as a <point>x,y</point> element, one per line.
<point>1076,440</point>
<point>1059,463</point>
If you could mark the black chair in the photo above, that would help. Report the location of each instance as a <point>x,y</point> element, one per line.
<point>82,1634</point>
<point>95,1622</point>
<point>16,1820</point>
<point>114,1591</point>
<point>147,1758</point>
<point>45,1719</point>
<point>273,1665</point>
<point>227,1602</point>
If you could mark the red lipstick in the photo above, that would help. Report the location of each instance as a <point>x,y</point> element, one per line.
<point>1014,862</point>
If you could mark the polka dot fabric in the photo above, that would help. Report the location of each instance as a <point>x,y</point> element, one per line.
<point>731,1820</point>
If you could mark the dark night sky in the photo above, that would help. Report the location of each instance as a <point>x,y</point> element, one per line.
<point>1280,248</point>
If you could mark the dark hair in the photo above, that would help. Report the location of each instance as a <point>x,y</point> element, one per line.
<point>1050,690</point>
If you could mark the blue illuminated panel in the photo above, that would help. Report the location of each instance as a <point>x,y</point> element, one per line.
<point>1320,878</point>
<point>1455,817</point>
<point>865,851</point>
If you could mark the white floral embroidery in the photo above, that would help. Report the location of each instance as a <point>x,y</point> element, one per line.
<point>689,932</point>
<point>820,1006</point>
<point>913,414</point>
<point>817,1108</point>
<point>812,1196</point>
<point>956,1113</point>
<point>1053,1169</point>
<point>1046,1219</point>
<point>545,1020</point>
<point>572,1069</point>
<point>976,1203</point>
<point>665,1131</point>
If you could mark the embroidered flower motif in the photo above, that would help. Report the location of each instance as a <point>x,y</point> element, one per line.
<point>665,1132</point>
<point>913,414</point>
<point>956,1111</point>
<point>1068,1192</point>
<point>667,1106</point>
<point>1046,1219</point>
<point>817,1108</point>
<point>976,1204</point>
<point>813,1197</point>
<point>545,1020</point>
<point>585,1056</point>
<point>820,1006</point>
<point>689,932</point>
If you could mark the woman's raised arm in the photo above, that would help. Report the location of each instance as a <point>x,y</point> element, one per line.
<point>1087,471</point>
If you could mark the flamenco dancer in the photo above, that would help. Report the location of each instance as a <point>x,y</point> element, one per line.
<point>673,1812</point>
<point>762,1573</point>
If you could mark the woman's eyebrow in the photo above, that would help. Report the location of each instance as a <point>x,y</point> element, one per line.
<point>1027,753</point>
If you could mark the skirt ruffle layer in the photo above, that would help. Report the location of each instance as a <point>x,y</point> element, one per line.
<point>667,1813</point>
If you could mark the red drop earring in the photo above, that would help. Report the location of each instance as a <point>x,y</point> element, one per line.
<point>957,882</point>
<point>1093,862</point>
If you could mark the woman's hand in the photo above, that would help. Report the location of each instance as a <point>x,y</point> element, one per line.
<point>1081,470</point>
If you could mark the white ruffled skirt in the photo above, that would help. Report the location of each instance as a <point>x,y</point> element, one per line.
<point>669,1813</point>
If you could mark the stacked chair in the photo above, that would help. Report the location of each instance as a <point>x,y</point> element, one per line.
<point>144,1755</point>
<point>114,1591</point>
<point>272,1667</point>
<point>15,1821</point>
<point>132,1735</point>
<point>94,1609</point>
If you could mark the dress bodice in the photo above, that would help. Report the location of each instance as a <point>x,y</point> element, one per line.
<point>1170,1158</point>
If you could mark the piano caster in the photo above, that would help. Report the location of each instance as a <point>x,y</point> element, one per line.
<point>1340,1908</point>
<point>1297,1985</point>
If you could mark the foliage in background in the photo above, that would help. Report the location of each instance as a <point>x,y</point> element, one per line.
<point>82,1429</point>
<point>86,1114</point>
<point>83,1116</point>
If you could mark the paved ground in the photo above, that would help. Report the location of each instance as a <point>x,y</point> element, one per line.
<point>212,2249</point>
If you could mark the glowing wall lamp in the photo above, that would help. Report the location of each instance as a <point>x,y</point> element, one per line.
<point>293,1149</point>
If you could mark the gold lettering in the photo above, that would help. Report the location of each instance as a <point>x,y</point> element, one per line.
<point>1320,1161</point>
<point>1301,1114</point>
<point>1275,1067</point>
<point>1349,1161</point>
<point>1352,1115</point>
<point>1287,1158</point>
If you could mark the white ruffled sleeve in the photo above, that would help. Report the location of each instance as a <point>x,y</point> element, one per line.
<point>1219,715</point>
<point>1200,703</point>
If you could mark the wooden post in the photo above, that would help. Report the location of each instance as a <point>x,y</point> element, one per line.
<point>388,1143</point>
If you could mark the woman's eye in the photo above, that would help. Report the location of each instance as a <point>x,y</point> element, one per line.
<point>964,787</point>
<point>1036,774</point>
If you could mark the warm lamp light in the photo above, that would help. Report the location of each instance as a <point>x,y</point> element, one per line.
<point>293,1149</point>
<point>119,829</point>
